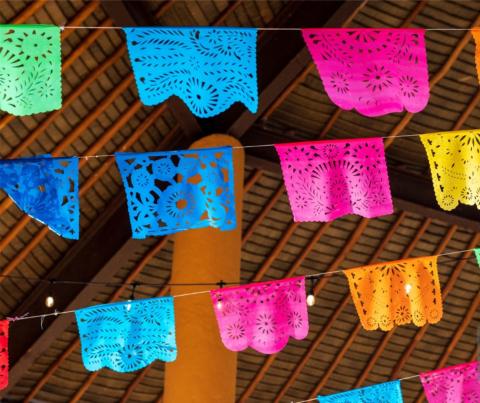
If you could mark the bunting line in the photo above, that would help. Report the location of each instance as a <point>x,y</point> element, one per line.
<point>87,157</point>
<point>220,284</point>
<point>62,27</point>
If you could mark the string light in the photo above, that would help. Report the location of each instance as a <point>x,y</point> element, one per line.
<point>50,300</point>
<point>313,278</point>
<point>311,293</point>
<point>219,303</point>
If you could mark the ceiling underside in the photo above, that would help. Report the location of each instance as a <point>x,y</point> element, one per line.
<point>102,114</point>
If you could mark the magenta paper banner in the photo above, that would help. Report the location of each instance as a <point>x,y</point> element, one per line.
<point>457,384</point>
<point>328,179</point>
<point>263,315</point>
<point>375,71</point>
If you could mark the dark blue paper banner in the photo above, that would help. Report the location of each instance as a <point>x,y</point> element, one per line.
<point>126,336</point>
<point>389,392</point>
<point>46,189</point>
<point>208,68</point>
<point>174,191</point>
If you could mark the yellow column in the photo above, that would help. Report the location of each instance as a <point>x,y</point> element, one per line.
<point>204,371</point>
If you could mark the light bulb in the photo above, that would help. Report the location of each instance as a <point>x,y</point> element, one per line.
<point>311,300</point>
<point>129,306</point>
<point>49,301</point>
<point>219,305</point>
<point>408,288</point>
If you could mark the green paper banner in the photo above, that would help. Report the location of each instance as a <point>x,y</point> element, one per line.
<point>30,69</point>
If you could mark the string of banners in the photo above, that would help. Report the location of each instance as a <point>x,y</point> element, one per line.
<point>129,335</point>
<point>172,191</point>
<point>456,384</point>
<point>375,71</point>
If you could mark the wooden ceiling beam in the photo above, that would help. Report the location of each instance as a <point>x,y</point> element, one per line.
<point>358,327</point>
<point>325,328</point>
<point>404,186</point>
<point>454,55</point>
<point>152,252</point>
<point>27,12</point>
<point>92,179</point>
<point>455,339</point>
<point>250,182</point>
<point>283,57</point>
<point>446,290</point>
<point>448,287</point>
<point>263,213</point>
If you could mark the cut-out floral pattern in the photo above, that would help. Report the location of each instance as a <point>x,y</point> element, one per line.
<point>375,71</point>
<point>208,68</point>
<point>261,316</point>
<point>396,293</point>
<point>46,189</point>
<point>457,384</point>
<point>454,159</point>
<point>389,392</point>
<point>30,69</point>
<point>328,179</point>
<point>173,191</point>
<point>126,336</point>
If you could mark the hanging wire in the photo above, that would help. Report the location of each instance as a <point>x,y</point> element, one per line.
<point>87,157</point>
<point>258,28</point>
<point>219,284</point>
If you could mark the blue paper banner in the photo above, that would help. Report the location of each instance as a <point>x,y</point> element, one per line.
<point>46,189</point>
<point>174,191</point>
<point>208,68</point>
<point>388,392</point>
<point>126,336</point>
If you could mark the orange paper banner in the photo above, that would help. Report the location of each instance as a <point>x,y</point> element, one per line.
<point>396,293</point>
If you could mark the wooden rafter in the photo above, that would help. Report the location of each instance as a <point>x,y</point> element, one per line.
<point>75,344</point>
<point>446,290</point>
<point>311,67</point>
<point>346,299</point>
<point>80,392</point>
<point>348,343</point>
<point>454,55</point>
<point>466,321</point>
<point>379,350</point>
<point>270,360</point>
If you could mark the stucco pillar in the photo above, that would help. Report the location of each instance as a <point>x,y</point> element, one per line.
<point>205,371</point>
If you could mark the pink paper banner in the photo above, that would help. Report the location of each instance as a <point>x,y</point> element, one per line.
<point>263,315</point>
<point>328,179</point>
<point>457,384</point>
<point>375,71</point>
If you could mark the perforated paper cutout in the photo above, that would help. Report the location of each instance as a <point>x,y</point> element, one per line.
<point>374,71</point>
<point>208,68</point>
<point>173,191</point>
<point>126,336</point>
<point>46,189</point>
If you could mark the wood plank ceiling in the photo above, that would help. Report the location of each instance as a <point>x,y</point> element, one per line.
<point>102,114</point>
